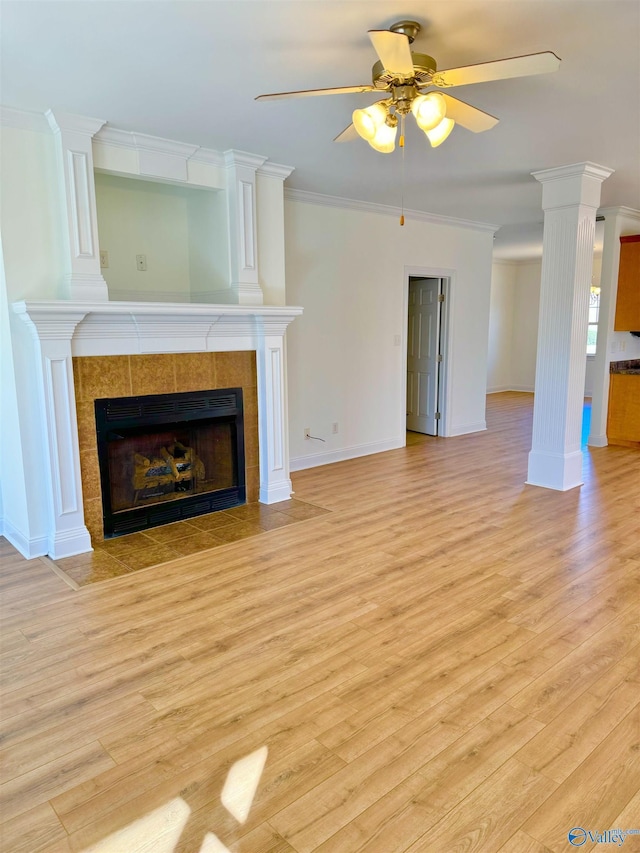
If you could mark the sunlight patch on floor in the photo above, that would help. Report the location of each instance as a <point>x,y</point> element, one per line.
<point>157,832</point>
<point>242,783</point>
<point>212,844</point>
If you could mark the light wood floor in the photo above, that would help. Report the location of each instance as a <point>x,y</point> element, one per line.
<point>447,661</point>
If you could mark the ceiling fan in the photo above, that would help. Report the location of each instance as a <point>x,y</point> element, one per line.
<point>411,81</point>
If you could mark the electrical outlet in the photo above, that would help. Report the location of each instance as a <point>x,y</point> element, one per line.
<point>334,428</point>
<point>104,259</point>
<point>307,432</point>
<point>141,263</point>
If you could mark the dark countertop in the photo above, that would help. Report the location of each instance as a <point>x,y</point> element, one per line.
<point>632,366</point>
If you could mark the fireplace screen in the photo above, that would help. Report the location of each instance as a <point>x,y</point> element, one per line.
<point>168,457</point>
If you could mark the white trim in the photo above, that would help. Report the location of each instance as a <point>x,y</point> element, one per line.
<point>528,389</point>
<point>586,168</point>
<point>61,122</point>
<point>275,170</point>
<point>243,158</point>
<point>465,429</point>
<point>597,441</point>
<point>372,207</point>
<point>627,212</point>
<point>498,389</point>
<point>23,120</point>
<point>29,548</point>
<point>512,262</point>
<point>328,457</point>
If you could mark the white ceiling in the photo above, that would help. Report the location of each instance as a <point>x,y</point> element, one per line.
<point>190,71</point>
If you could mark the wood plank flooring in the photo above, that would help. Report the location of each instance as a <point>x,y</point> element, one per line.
<point>449,660</point>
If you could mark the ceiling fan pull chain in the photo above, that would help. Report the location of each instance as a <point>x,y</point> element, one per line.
<point>401,144</point>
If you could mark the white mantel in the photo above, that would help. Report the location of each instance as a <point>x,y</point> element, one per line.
<point>62,330</point>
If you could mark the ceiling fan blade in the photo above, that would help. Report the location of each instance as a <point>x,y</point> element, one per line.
<point>500,69</point>
<point>349,134</point>
<point>467,116</point>
<point>393,51</point>
<point>308,93</point>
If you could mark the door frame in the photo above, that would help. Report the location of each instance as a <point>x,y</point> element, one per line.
<point>444,378</point>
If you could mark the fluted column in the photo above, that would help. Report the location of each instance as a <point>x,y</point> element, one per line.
<point>74,135</point>
<point>67,534</point>
<point>243,228</point>
<point>570,199</point>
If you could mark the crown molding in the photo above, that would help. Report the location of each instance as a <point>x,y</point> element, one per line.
<point>108,135</point>
<point>158,145</point>
<point>243,158</point>
<point>209,157</point>
<point>275,170</point>
<point>627,212</point>
<point>23,120</point>
<point>307,197</point>
<point>69,122</point>
<point>511,262</point>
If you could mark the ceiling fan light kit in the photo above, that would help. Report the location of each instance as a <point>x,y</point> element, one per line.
<point>429,110</point>
<point>384,140</point>
<point>440,132</point>
<point>367,121</point>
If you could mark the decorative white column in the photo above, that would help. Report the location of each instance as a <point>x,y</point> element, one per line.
<point>67,533</point>
<point>74,136</point>
<point>243,232</point>
<point>273,421</point>
<point>570,199</point>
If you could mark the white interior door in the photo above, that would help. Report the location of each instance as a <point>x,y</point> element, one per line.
<point>423,348</point>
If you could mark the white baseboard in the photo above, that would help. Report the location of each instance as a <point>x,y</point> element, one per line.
<point>275,493</point>
<point>465,429</point>
<point>528,388</point>
<point>29,548</point>
<point>300,463</point>
<point>499,389</point>
<point>597,441</point>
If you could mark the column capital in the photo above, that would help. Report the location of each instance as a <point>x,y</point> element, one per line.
<point>578,183</point>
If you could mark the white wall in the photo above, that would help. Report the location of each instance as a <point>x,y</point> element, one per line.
<point>515,287</point>
<point>503,294</point>
<point>525,326</point>
<point>348,269</point>
<point>271,239</point>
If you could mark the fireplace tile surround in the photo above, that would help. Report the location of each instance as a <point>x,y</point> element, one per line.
<point>96,377</point>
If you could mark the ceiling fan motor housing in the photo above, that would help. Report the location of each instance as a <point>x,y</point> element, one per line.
<point>424,67</point>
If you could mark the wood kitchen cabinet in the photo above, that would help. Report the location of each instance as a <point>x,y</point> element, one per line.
<point>628,299</point>
<point>623,421</point>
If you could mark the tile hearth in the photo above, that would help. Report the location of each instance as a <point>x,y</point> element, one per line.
<point>126,554</point>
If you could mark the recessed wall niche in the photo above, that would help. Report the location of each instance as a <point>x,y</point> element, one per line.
<point>181,232</point>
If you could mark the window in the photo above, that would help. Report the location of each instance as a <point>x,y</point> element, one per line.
<point>594,310</point>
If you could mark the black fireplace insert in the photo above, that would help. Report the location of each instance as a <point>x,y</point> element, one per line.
<point>169,457</point>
